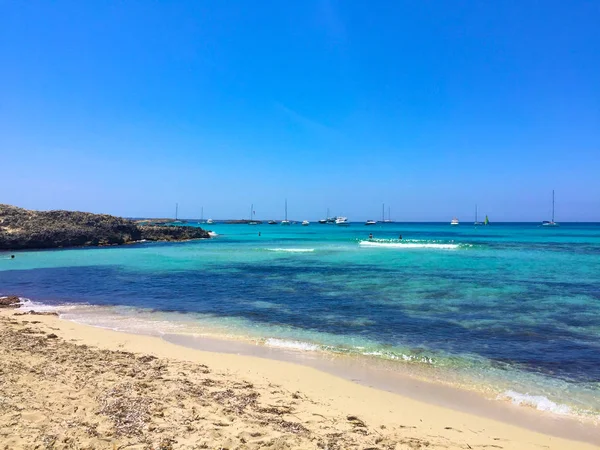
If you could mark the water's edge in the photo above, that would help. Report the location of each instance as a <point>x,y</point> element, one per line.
<point>378,374</point>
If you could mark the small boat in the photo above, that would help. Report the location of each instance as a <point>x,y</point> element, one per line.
<point>476,222</point>
<point>331,219</point>
<point>272,222</point>
<point>454,221</point>
<point>370,222</point>
<point>252,213</point>
<point>286,221</point>
<point>305,223</point>
<point>551,223</point>
<point>322,221</point>
<point>342,221</point>
<point>209,221</point>
<point>389,219</point>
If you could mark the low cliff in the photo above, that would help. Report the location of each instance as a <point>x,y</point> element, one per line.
<point>25,229</point>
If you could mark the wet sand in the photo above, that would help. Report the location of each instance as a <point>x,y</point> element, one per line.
<point>65,385</point>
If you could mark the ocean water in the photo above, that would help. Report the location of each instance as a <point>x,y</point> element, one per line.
<point>510,310</point>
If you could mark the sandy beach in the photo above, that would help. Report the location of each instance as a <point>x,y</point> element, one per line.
<point>70,386</point>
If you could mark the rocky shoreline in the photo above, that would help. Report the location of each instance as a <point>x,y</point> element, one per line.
<point>22,229</point>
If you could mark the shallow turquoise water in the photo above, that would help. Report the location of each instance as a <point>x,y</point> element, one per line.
<point>511,308</point>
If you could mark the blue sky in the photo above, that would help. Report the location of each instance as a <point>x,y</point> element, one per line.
<point>430,107</point>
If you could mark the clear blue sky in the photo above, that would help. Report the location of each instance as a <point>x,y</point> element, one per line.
<point>127,107</point>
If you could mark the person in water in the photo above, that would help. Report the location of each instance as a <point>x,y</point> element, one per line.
<point>370,235</point>
<point>12,256</point>
<point>259,234</point>
<point>400,237</point>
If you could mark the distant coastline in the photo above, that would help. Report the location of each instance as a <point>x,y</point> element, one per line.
<point>22,229</point>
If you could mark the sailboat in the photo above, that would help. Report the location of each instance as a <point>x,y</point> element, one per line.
<point>286,221</point>
<point>552,223</point>
<point>476,222</point>
<point>252,212</point>
<point>389,219</point>
<point>454,222</point>
<point>176,213</point>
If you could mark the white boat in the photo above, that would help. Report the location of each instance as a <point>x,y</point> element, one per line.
<point>286,221</point>
<point>324,221</point>
<point>305,223</point>
<point>476,222</point>
<point>252,221</point>
<point>454,221</point>
<point>551,223</point>
<point>370,222</point>
<point>389,219</point>
<point>209,221</point>
<point>342,221</point>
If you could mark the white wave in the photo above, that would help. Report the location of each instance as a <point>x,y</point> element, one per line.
<point>292,345</point>
<point>408,245</point>
<point>403,357</point>
<point>538,402</point>
<point>292,250</point>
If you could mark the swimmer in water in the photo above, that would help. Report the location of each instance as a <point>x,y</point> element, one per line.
<point>370,235</point>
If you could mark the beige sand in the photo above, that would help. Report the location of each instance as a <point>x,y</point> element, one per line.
<point>64,385</point>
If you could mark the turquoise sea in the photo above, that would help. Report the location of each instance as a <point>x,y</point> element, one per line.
<point>511,310</point>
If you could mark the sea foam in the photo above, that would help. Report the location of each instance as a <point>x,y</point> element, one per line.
<point>292,250</point>
<point>292,345</point>
<point>538,402</point>
<point>408,245</point>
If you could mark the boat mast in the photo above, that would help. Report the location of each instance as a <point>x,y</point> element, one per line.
<point>286,209</point>
<point>552,205</point>
<point>251,211</point>
<point>389,213</point>
<point>476,213</point>
<point>383,212</point>
<point>176,210</point>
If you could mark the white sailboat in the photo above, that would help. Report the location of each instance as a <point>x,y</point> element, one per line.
<point>389,219</point>
<point>476,222</point>
<point>305,223</point>
<point>252,213</point>
<point>551,223</point>
<point>286,221</point>
<point>454,222</point>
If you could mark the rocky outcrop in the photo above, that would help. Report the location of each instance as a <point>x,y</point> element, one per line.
<point>10,302</point>
<point>26,229</point>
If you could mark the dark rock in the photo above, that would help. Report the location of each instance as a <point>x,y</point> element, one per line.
<point>26,229</point>
<point>10,302</point>
<point>51,336</point>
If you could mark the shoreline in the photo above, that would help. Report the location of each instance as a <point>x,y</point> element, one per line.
<point>373,405</point>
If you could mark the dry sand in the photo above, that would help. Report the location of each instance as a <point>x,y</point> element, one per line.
<point>64,385</point>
